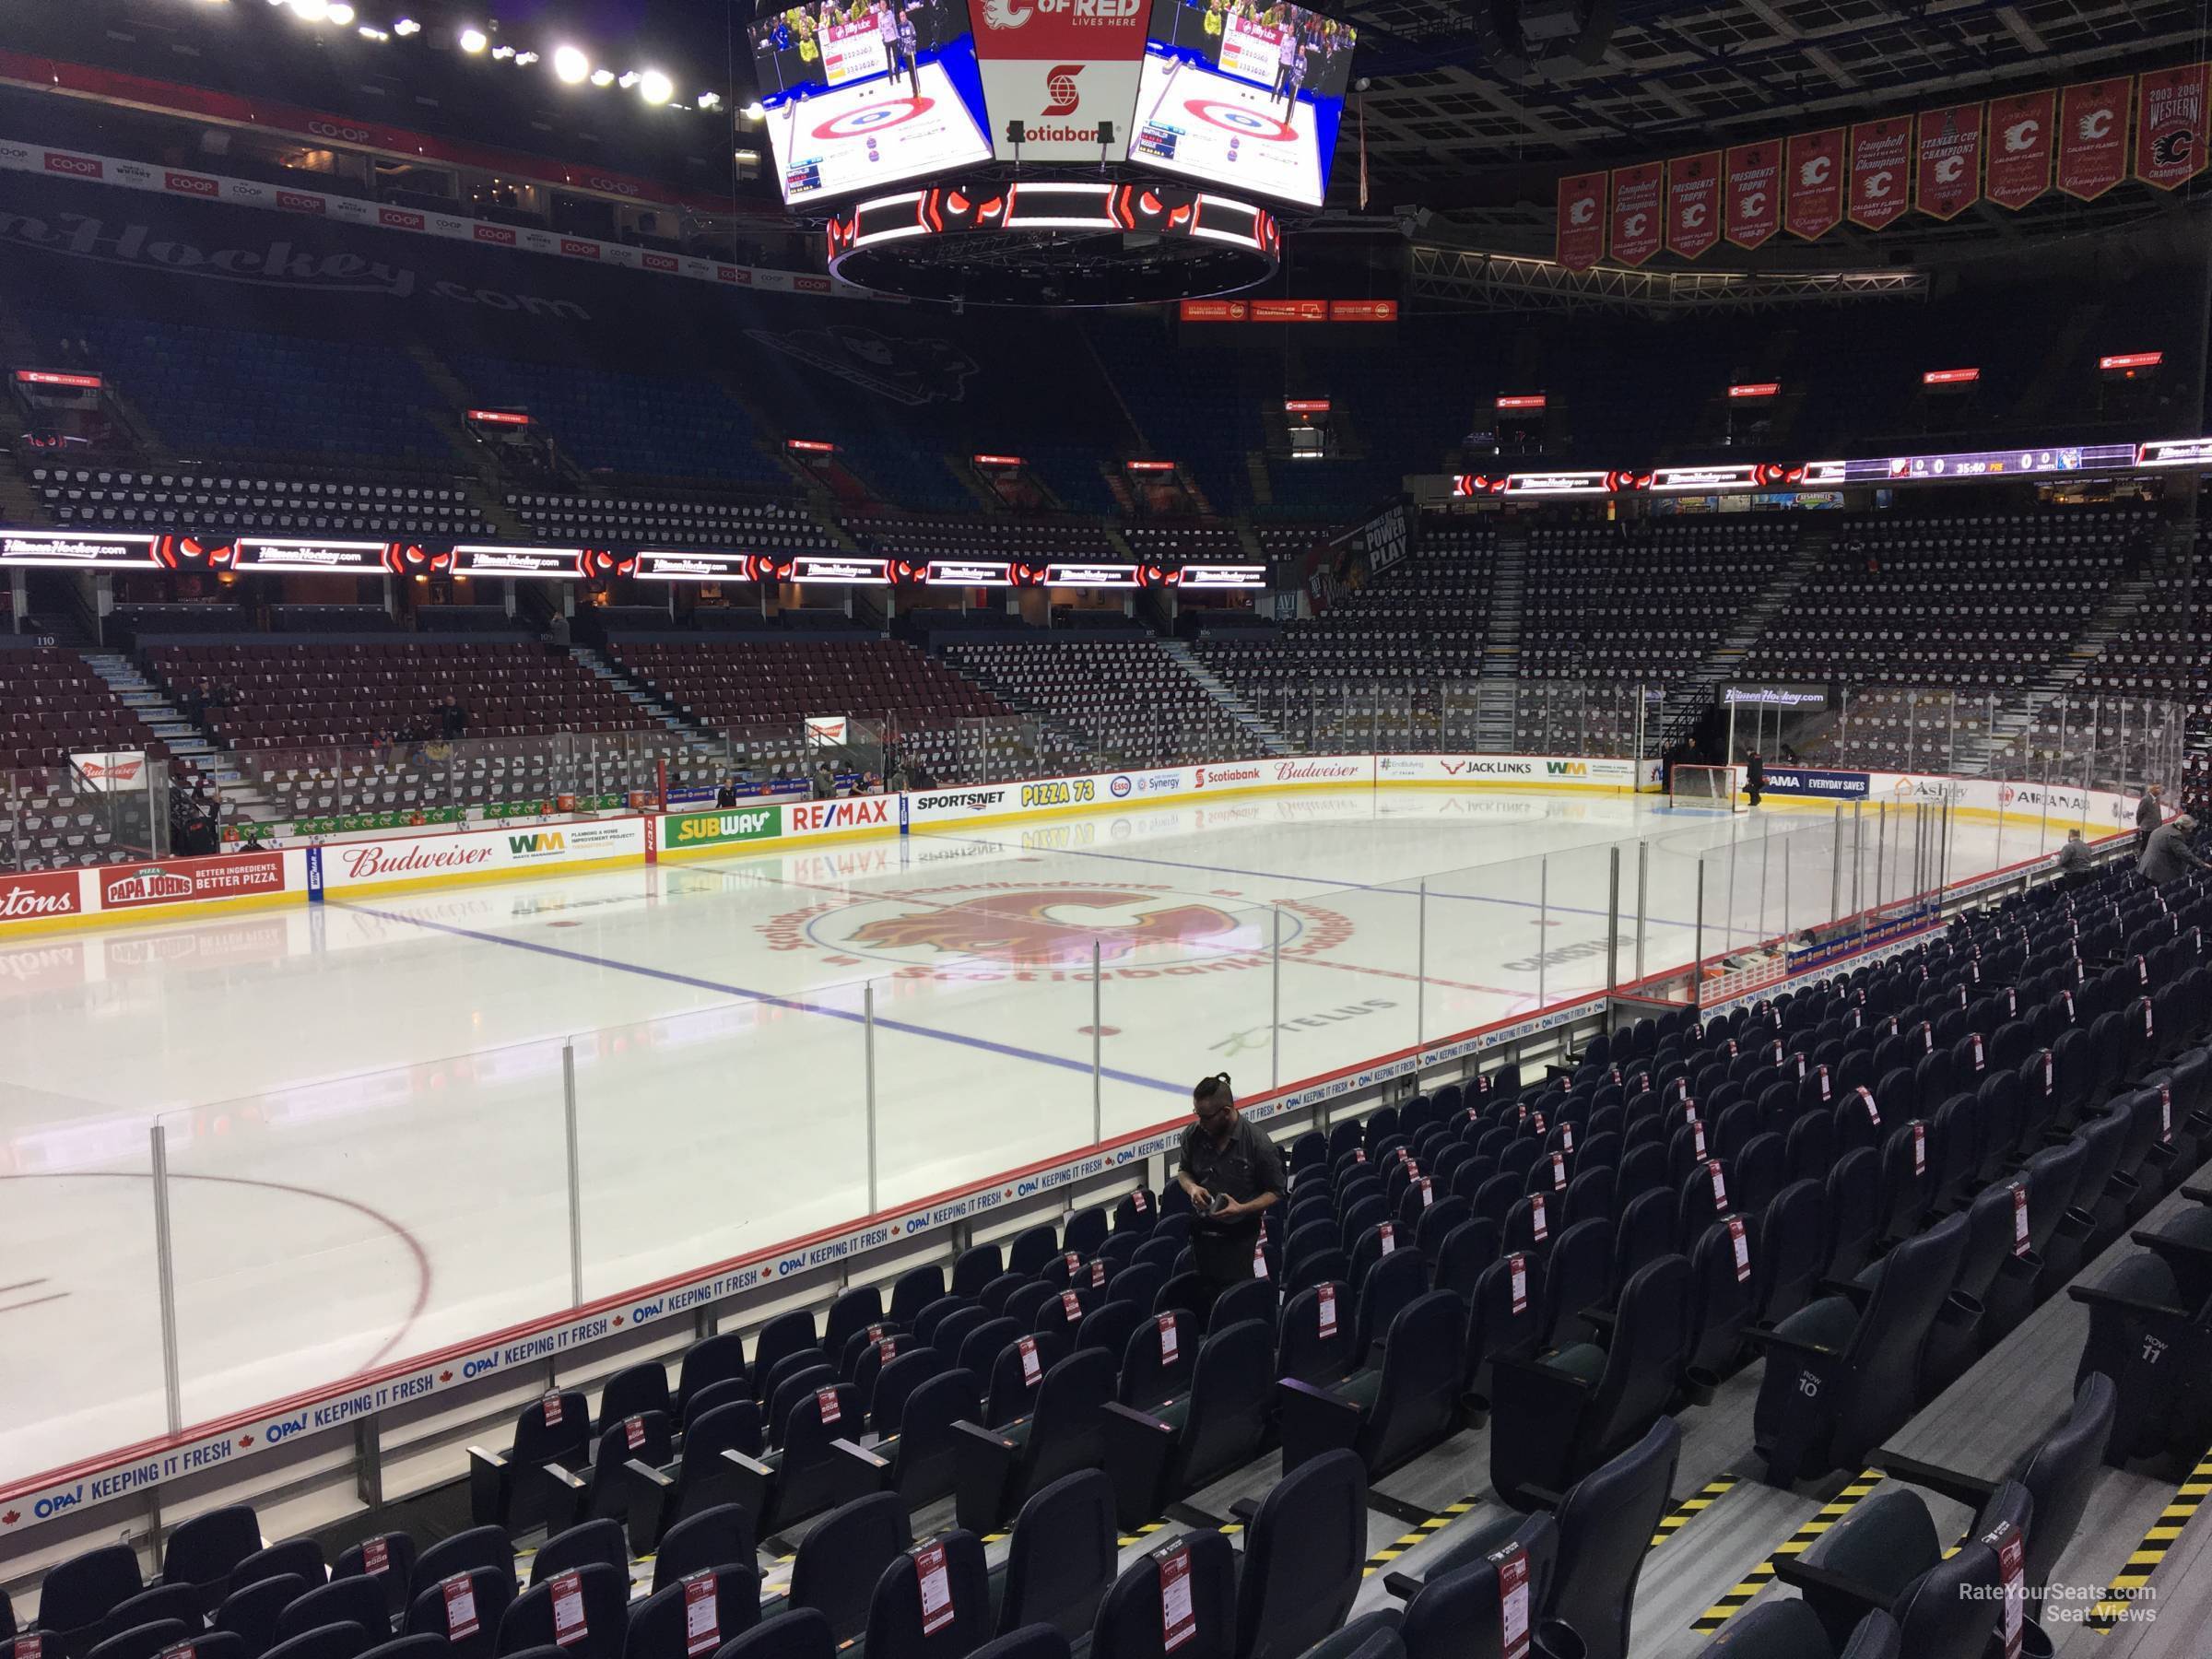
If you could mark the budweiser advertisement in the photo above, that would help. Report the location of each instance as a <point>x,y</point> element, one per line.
<point>1635,217</point>
<point>1947,160</point>
<point>1693,204</point>
<point>1813,168</point>
<point>1752,202</point>
<point>2169,124</point>
<point>1582,237</point>
<point>2092,137</point>
<point>2022,134</point>
<point>1882,172</point>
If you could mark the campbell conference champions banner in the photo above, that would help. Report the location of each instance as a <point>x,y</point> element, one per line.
<point>2009,152</point>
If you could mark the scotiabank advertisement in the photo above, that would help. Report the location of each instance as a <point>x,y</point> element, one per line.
<point>1060,67</point>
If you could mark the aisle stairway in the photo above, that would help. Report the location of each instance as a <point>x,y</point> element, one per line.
<point>1230,701</point>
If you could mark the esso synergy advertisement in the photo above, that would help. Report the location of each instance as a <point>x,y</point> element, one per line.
<point>868,94</point>
<point>1247,97</point>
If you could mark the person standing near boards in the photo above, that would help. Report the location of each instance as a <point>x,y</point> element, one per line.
<point>1233,1175</point>
<point>1754,777</point>
<point>2150,812</point>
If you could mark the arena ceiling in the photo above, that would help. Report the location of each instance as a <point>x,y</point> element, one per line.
<point>1467,125</point>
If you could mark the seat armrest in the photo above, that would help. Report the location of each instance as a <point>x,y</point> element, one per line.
<point>489,1487</point>
<point>1767,1336</point>
<point>1138,1449</point>
<point>983,1463</point>
<point>1313,1421</point>
<point>1969,1489</point>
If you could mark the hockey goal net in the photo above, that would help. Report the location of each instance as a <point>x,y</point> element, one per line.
<point>1706,789</point>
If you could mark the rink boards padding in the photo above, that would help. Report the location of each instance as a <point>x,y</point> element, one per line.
<point>171,890</point>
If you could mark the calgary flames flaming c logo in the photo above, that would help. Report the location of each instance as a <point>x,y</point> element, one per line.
<point>1050,926</point>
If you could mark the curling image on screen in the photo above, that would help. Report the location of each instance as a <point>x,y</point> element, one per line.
<point>868,93</point>
<point>1247,97</point>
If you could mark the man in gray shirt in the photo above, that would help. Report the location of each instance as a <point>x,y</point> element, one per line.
<point>1233,1173</point>
<point>2149,814</point>
<point>2073,857</point>
<point>2168,856</point>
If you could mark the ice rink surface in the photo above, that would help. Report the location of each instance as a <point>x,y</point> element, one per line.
<point>363,1101</point>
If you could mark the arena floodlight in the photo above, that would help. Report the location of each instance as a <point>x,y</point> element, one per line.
<point>629,78</point>
<point>571,64</point>
<point>368,33</point>
<point>503,52</point>
<point>474,39</point>
<point>406,26</point>
<point>603,77</point>
<point>341,15</point>
<point>523,60</point>
<point>756,111</point>
<point>655,88</point>
<point>710,101</point>
<point>311,11</point>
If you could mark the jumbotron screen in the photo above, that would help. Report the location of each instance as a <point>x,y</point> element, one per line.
<point>1243,96</point>
<point>869,93</point>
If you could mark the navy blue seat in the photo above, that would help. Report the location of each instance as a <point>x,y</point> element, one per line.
<point>601,1598</point>
<point>660,1625</point>
<point>720,1536</point>
<point>1061,1556</point>
<point>465,1608</point>
<point>202,1552</point>
<point>1162,1447</point>
<point>1390,1414</point>
<point>251,1611</point>
<point>910,1617</point>
<point>840,1559</point>
<point>358,1601</point>
<point>1130,1623</point>
<point>1302,1557</point>
<point>1000,1468</point>
<point>802,1633</point>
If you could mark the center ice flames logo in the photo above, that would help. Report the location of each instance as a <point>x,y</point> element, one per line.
<point>1052,925</point>
<point>1036,930</point>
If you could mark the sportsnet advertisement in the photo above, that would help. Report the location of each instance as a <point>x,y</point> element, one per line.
<point>1242,95</point>
<point>868,94</point>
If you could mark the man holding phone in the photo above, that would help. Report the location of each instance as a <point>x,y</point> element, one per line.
<point>1233,1173</point>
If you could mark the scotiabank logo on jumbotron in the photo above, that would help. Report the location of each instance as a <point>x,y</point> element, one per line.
<point>1059,84</point>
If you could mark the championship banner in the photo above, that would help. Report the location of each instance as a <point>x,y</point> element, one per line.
<point>1947,160</point>
<point>1635,212</point>
<point>1752,203</point>
<point>2020,144</point>
<point>2092,137</point>
<point>1882,172</point>
<point>1813,204</point>
<point>2170,123</point>
<point>1582,235</point>
<point>1693,204</point>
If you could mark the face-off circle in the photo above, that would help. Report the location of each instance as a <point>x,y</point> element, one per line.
<point>1244,121</point>
<point>874,118</point>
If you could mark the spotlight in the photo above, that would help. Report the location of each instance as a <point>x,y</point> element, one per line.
<point>655,88</point>
<point>523,60</point>
<point>571,64</point>
<point>373,34</point>
<point>603,77</point>
<point>341,15</point>
<point>629,79</point>
<point>710,101</point>
<point>311,11</point>
<point>406,26</point>
<point>474,39</point>
<point>503,52</point>
<point>756,111</point>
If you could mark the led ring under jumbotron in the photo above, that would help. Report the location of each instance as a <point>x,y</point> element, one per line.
<point>1054,242</point>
